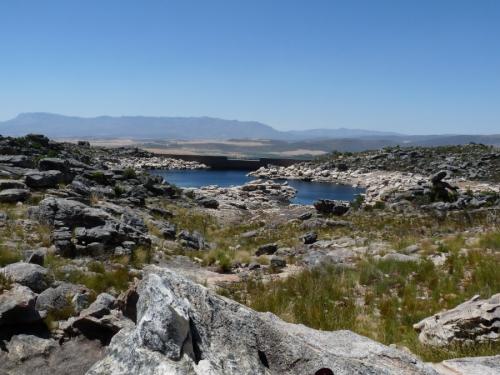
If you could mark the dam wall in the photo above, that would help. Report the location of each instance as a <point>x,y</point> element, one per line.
<point>224,162</point>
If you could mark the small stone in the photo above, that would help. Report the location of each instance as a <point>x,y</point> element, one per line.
<point>267,249</point>
<point>277,262</point>
<point>310,238</point>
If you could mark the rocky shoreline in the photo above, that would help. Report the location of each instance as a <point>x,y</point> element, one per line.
<point>379,184</point>
<point>101,265</point>
<point>154,162</point>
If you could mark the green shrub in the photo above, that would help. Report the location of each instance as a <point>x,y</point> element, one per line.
<point>99,177</point>
<point>118,190</point>
<point>129,173</point>
<point>490,241</point>
<point>8,256</point>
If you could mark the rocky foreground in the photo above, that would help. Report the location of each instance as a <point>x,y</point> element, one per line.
<point>80,226</point>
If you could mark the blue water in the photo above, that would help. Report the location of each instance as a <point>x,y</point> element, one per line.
<point>307,192</point>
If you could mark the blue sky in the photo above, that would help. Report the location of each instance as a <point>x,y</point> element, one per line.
<point>408,66</point>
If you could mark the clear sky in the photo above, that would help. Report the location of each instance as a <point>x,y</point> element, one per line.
<point>426,66</point>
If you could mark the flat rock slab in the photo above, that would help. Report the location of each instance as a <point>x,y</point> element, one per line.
<point>470,366</point>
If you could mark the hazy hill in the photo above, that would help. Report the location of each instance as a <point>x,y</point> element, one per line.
<point>146,129</point>
<point>141,127</point>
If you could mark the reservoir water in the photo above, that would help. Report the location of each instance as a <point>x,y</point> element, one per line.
<point>307,192</point>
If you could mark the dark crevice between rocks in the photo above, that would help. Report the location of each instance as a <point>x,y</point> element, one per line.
<point>195,342</point>
<point>93,331</point>
<point>324,371</point>
<point>263,358</point>
<point>128,305</point>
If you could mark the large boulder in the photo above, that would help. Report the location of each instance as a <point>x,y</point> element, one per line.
<point>54,164</point>
<point>267,249</point>
<point>474,321</point>
<point>183,328</point>
<point>193,240</point>
<point>59,212</point>
<point>60,297</point>
<point>17,306</point>
<point>99,321</point>
<point>331,207</point>
<point>21,348</point>
<point>43,179</point>
<point>57,164</point>
<point>35,277</point>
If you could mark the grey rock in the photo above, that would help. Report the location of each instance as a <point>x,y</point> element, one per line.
<point>95,248</point>
<point>183,328</point>
<point>54,164</point>
<point>331,207</point>
<point>474,321</point>
<point>277,262</point>
<point>14,195</point>
<point>66,212</point>
<point>17,306</point>
<point>101,327</point>
<point>412,249</point>
<point>36,256</point>
<point>134,220</point>
<point>167,229</point>
<point>470,366</point>
<point>43,179</point>
<point>26,347</point>
<point>192,240</point>
<point>253,266</point>
<point>21,161</point>
<point>73,357</point>
<point>90,225</point>
<point>102,305</point>
<point>250,234</point>
<point>439,176</point>
<point>33,276</point>
<point>267,249</point>
<point>305,216</point>
<point>208,202</point>
<point>310,238</point>
<point>60,297</point>
<point>80,302</point>
<point>11,184</point>
<point>161,212</point>
<point>397,257</point>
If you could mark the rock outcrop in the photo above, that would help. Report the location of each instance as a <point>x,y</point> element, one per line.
<point>182,328</point>
<point>474,321</point>
<point>80,229</point>
<point>35,277</point>
<point>470,366</point>
<point>17,306</point>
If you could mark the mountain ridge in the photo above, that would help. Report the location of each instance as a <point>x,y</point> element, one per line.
<point>144,128</point>
<point>205,127</point>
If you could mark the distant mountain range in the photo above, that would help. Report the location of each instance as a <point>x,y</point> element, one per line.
<point>141,127</point>
<point>191,128</point>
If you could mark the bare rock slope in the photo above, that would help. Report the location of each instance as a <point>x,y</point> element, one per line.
<point>476,320</point>
<point>183,328</point>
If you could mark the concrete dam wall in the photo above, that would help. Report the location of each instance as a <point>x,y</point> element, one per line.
<point>223,162</point>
